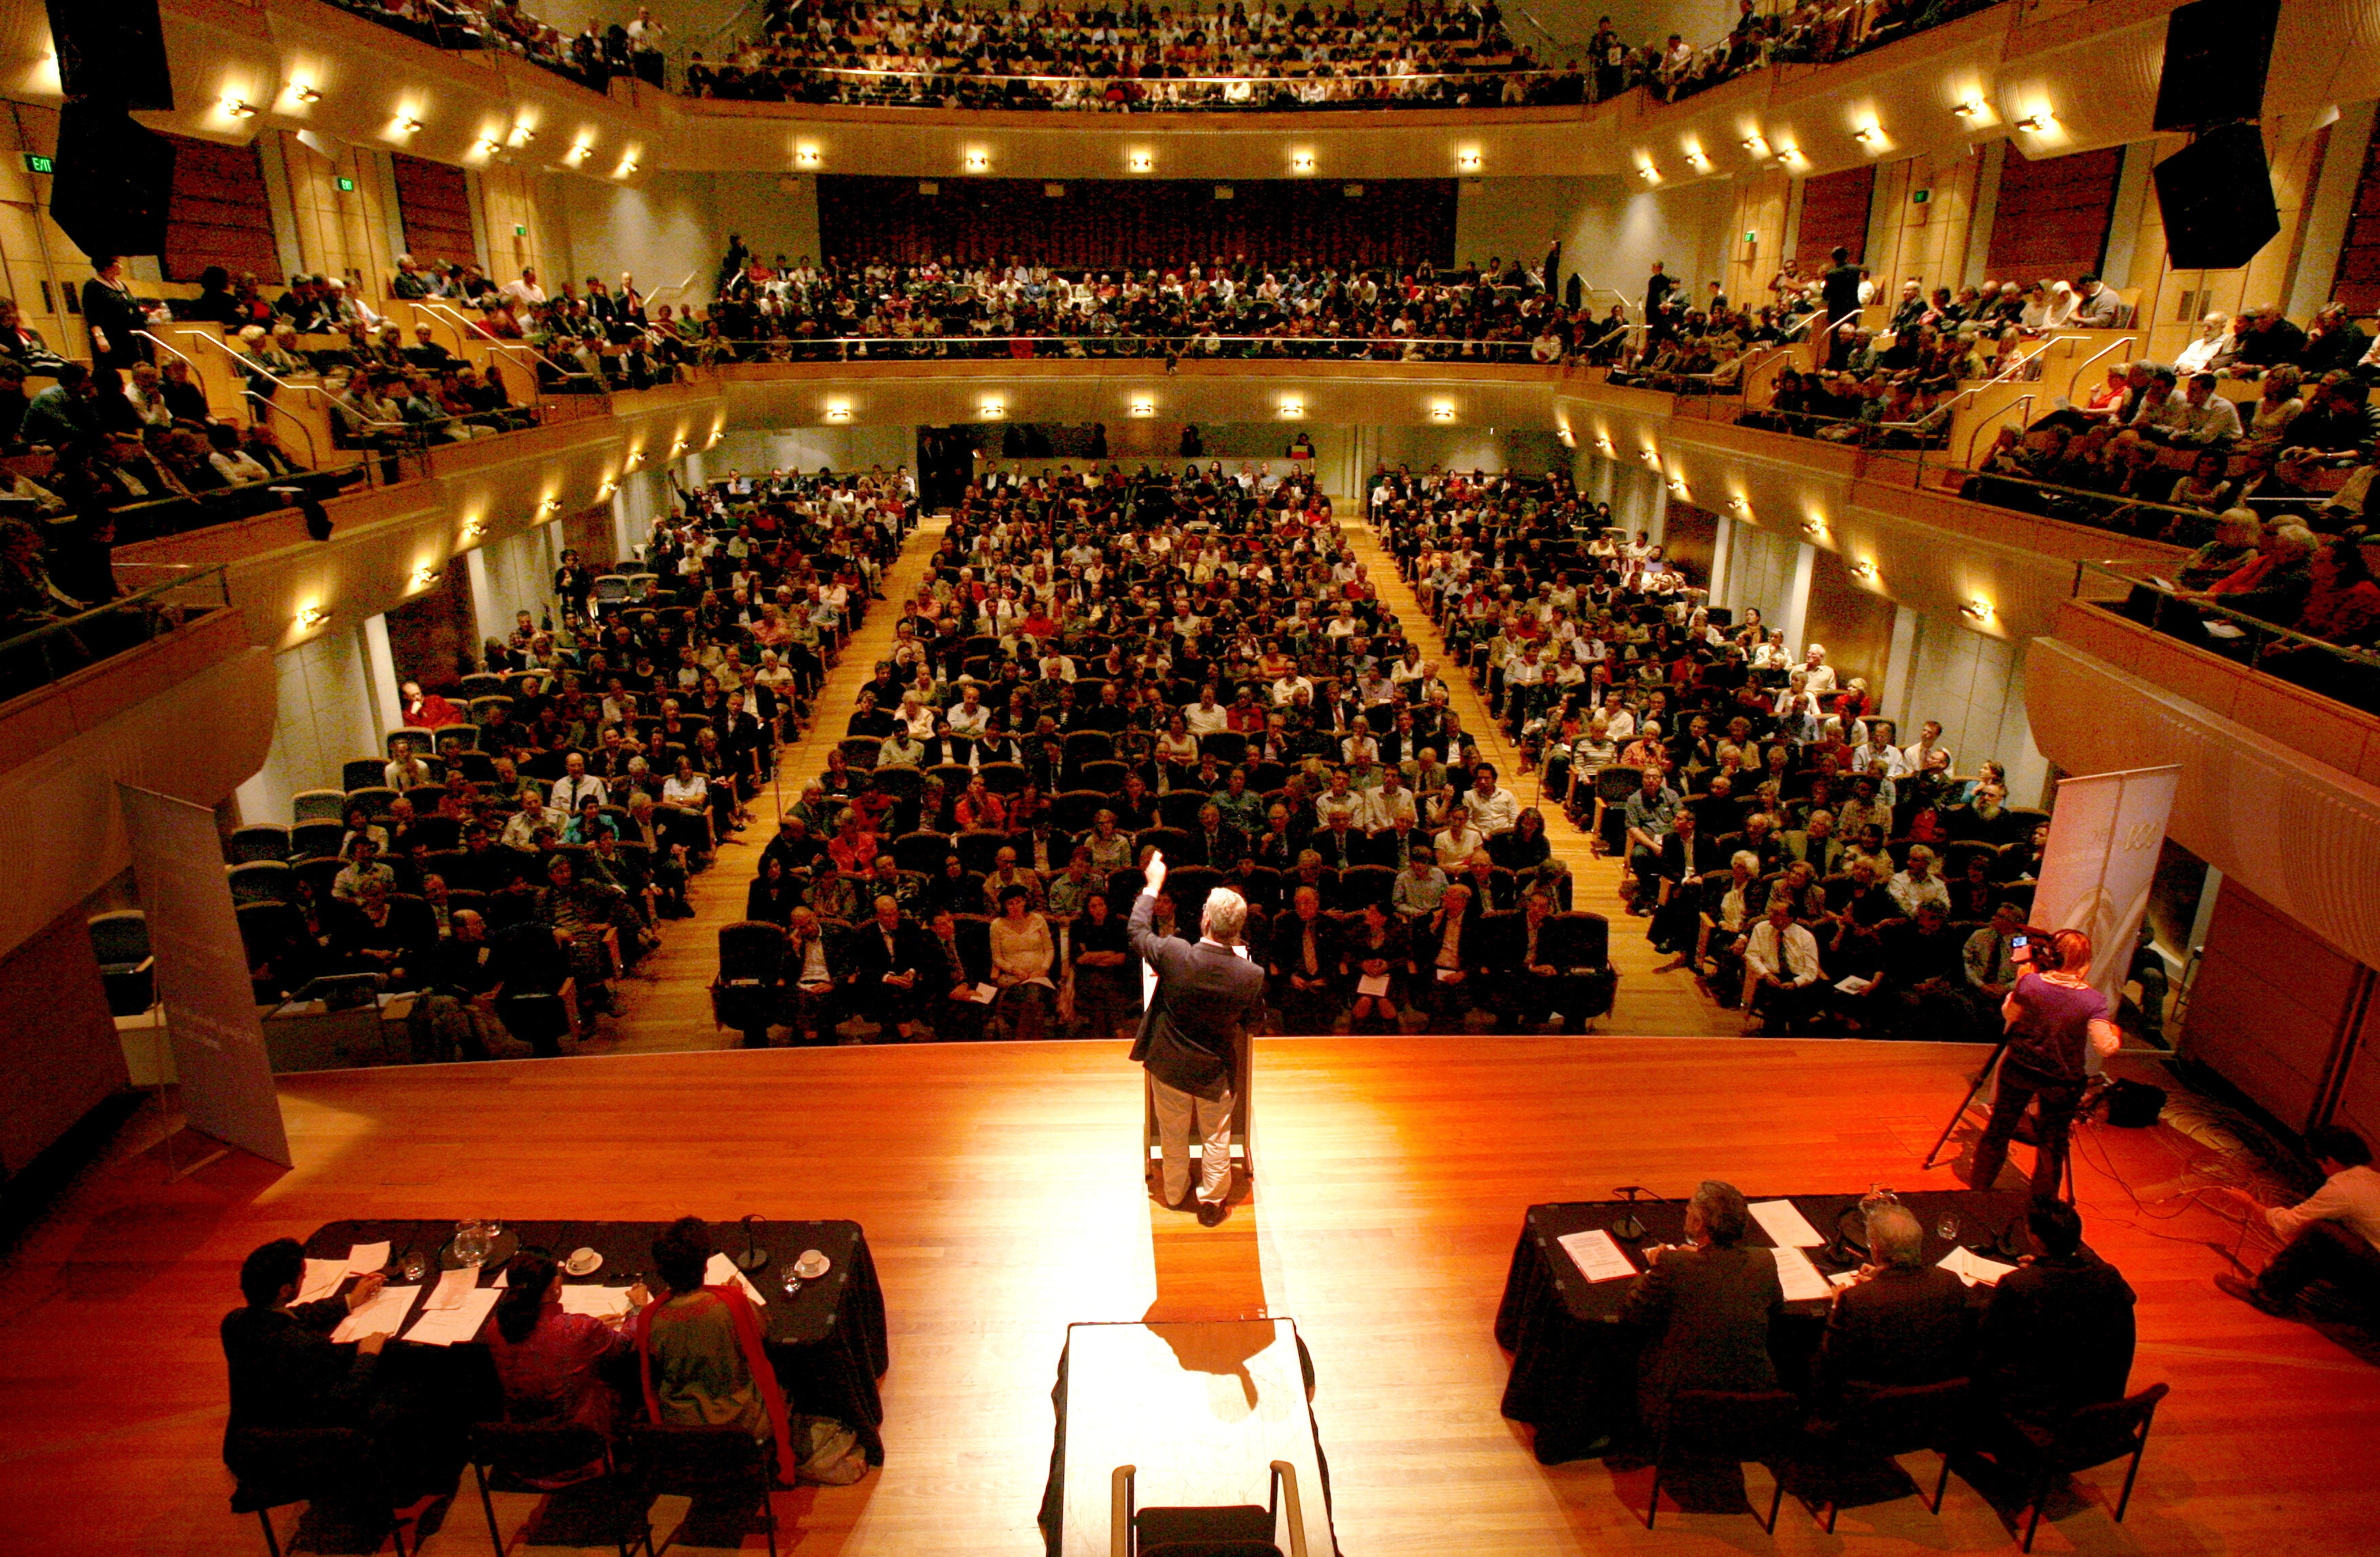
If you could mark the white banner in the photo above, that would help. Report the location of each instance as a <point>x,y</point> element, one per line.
<point>2105,837</point>
<point>226,1078</point>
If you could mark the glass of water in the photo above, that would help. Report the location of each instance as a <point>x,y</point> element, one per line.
<point>1949,1227</point>
<point>471,1241</point>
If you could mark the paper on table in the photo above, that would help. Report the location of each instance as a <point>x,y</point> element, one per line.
<point>1971,1266</point>
<point>445,1326</point>
<point>453,1287</point>
<point>1799,1277</point>
<point>600,1302</point>
<point>1785,1225</point>
<point>1372,984</point>
<point>722,1270</point>
<point>364,1258</point>
<point>1598,1258</point>
<point>322,1279</point>
<point>379,1317</point>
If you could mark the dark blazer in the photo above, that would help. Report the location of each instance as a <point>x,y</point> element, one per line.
<point>913,950</point>
<point>1228,848</point>
<point>1206,1000</point>
<point>286,1371</point>
<point>1826,858</point>
<point>1288,937</point>
<point>2058,1335</point>
<point>1707,1312</point>
<point>1898,1327</point>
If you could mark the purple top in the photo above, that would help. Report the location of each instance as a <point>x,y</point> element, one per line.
<point>2051,1034</point>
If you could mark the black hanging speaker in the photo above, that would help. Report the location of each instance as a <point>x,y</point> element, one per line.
<point>113,48</point>
<point>2216,196</point>
<point>2217,55</point>
<point>112,179</point>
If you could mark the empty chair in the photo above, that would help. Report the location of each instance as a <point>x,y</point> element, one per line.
<point>1104,775</point>
<point>1896,1421</point>
<point>316,840</point>
<point>260,840</point>
<point>318,805</point>
<point>1728,1425</point>
<point>902,784</point>
<point>977,851</point>
<point>1360,884</point>
<point>610,589</point>
<point>860,751</point>
<point>1189,886</point>
<point>120,941</point>
<point>1227,746</point>
<point>481,684</point>
<point>1003,778</point>
<point>320,874</point>
<point>362,774</point>
<point>1177,844</point>
<point>1229,1530</point>
<point>261,880</point>
<point>1088,746</point>
<point>2114,1429</point>
<point>1180,809</point>
<point>1075,809</point>
<point>278,1466</point>
<point>750,987</point>
<point>375,798</point>
<point>922,851</point>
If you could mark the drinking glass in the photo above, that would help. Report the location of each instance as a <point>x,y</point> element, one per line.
<point>471,1241</point>
<point>1949,1227</point>
<point>416,1265</point>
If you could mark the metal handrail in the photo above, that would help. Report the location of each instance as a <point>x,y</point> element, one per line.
<point>144,597</point>
<point>2025,401</point>
<point>2109,499</point>
<point>1090,89</point>
<point>469,334</point>
<point>1175,341</point>
<point>314,456</point>
<point>2076,376</point>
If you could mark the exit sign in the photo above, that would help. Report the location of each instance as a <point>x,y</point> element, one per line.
<point>347,185</point>
<point>36,163</point>
<point>1751,237</point>
<point>1919,197</point>
<point>520,229</point>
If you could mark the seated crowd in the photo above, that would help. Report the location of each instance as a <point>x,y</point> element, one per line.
<point>1136,58</point>
<point>1099,664</point>
<point>1227,307</point>
<point>539,833</point>
<point>1778,840</point>
<point>1809,33</point>
<point>592,57</point>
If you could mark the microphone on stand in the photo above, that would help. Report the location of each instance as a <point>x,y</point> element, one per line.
<point>1627,1229</point>
<point>753,1256</point>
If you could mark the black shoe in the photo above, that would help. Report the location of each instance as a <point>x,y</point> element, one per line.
<point>1213,1212</point>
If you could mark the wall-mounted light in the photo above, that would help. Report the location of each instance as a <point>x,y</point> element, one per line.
<point>1468,159</point>
<point>1755,145</point>
<point>1139,162</point>
<point>409,123</point>
<point>1813,527</point>
<point>490,144</point>
<point>607,489</point>
<point>809,157</point>
<point>1678,486</point>
<point>1300,161</point>
<point>473,529</point>
<point>549,505</point>
<point>977,161</point>
<point>1442,412</point>
<point>2036,122</point>
<point>1789,155</point>
<point>678,447</point>
<point>1564,434</point>
<point>1863,570</point>
<point>305,91</point>
<point>1292,409</point>
<point>713,440</point>
<point>991,410</point>
<point>1142,406</point>
<point>1972,108</point>
<point>1650,456</point>
<point>1867,135</point>
<point>426,575</point>
<point>1695,160</point>
<point>838,411</point>
<point>1603,443</point>
<point>627,166</point>
<point>312,616</point>
<point>239,109</point>
<point>1976,611</point>
<point>524,134</point>
<point>1649,173</point>
<point>636,458</point>
<point>1737,504</point>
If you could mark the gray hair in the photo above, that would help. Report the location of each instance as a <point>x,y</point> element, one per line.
<point>1225,913</point>
<point>1895,1238</point>
<point>1719,1207</point>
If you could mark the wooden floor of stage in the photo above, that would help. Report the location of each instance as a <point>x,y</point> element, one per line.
<point>998,1187</point>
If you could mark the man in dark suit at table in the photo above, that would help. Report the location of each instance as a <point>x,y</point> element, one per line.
<point>2058,1333</point>
<point>1706,1308</point>
<point>1901,1322</point>
<point>892,968</point>
<point>1208,996</point>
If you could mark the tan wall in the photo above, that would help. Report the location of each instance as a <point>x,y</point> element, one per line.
<point>510,199</point>
<point>340,232</point>
<point>2296,166</point>
<point>1927,241</point>
<point>1761,200</point>
<point>33,249</point>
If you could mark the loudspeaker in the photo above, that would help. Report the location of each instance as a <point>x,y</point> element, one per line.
<point>2216,196</point>
<point>112,179</point>
<point>116,48</point>
<point>2217,56</point>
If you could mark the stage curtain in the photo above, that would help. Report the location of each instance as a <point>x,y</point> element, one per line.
<point>1098,223</point>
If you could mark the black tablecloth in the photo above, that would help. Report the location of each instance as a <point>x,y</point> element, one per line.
<point>826,1341</point>
<point>1575,1365</point>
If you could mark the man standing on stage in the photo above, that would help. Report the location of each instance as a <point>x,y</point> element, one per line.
<point>1208,997</point>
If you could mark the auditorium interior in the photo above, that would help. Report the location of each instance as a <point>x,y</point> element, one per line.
<point>637,643</point>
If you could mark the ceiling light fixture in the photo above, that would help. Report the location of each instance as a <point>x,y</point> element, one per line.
<point>808,156</point>
<point>1292,409</point>
<point>2037,121</point>
<point>473,529</point>
<point>1977,610</point>
<point>1441,413</point>
<point>1139,162</point>
<point>1863,569</point>
<point>1969,109</point>
<point>1468,160</point>
<point>978,162</point>
<point>409,123</point>
<point>1866,135</point>
<point>524,134</point>
<point>1144,406</point>
<point>489,144</point>
<point>992,410</point>
<point>1300,161</point>
<point>312,616</point>
<point>426,575</point>
<point>239,109</point>
<point>838,412</point>
<point>305,92</point>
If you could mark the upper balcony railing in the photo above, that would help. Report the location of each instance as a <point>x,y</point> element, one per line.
<point>1272,93</point>
<point>2148,594</point>
<point>43,648</point>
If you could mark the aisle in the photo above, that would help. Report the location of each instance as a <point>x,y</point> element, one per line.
<point>672,1011</point>
<point>1666,1004</point>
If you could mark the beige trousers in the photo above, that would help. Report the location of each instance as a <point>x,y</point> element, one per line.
<point>1176,1112</point>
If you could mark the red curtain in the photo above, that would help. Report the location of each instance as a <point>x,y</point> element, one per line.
<point>1117,222</point>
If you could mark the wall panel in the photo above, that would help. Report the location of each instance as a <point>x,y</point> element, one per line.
<point>434,200</point>
<point>59,1054</point>
<point>1854,624</point>
<point>217,214</point>
<point>1834,213</point>
<point>2268,1004</point>
<point>2052,215</point>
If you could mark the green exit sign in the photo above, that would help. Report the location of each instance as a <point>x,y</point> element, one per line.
<point>520,229</point>
<point>1751,237</point>
<point>36,163</point>
<point>1919,197</point>
<point>347,185</point>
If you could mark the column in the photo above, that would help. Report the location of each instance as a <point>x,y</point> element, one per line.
<point>1794,610</point>
<point>1657,523</point>
<point>1897,684</point>
<point>380,664</point>
<point>1722,544</point>
<point>490,621</point>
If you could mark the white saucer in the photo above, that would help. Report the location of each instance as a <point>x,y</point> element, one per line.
<point>812,1265</point>
<point>583,1262</point>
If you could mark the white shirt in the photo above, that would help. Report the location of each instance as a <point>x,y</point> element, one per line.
<point>1205,721</point>
<point>1383,808</point>
<point>568,792</point>
<point>2350,1197</point>
<point>1494,813</point>
<point>1801,959</point>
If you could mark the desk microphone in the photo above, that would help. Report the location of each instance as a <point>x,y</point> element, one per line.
<point>1627,1229</point>
<point>753,1256</point>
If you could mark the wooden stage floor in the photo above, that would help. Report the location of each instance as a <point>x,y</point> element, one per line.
<point>998,1187</point>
